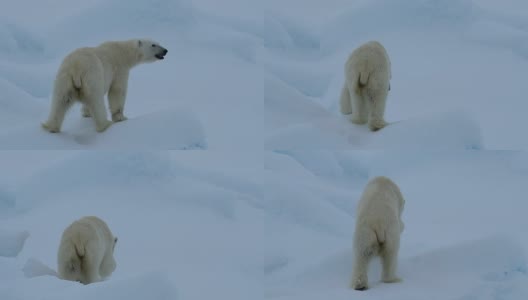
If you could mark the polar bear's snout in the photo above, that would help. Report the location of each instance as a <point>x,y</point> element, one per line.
<point>161,53</point>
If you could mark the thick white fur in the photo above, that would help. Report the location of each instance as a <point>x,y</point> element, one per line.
<point>367,84</point>
<point>378,229</point>
<point>86,251</point>
<point>88,74</point>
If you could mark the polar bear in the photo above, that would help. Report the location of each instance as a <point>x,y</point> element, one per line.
<point>86,251</point>
<point>88,74</point>
<point>367,84</point>
<point>378,229</point>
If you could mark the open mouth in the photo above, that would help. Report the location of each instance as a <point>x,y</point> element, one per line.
<point>160,56</point>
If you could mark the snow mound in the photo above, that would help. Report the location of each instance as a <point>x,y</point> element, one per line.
<point>111,167</point>
<point>461,266</point>
<point>36,268</point>
<point>142,132</point>
<point>12,243</point>
<point>393,16</point>
<point>311,78</point>
<point>186,133</point>
<point>136,16</point>
<point>307,136</point>
<point>154,285</point>
<point>309,208</point>
<point>18,44</point>
<point>473,263</point>
<point>213,34</point>
<point>282,34</point>
<point>448,131</point>
<point>16,104</point>
<point>33,79</point>
<point>7,200</point>
<point>285,105</point>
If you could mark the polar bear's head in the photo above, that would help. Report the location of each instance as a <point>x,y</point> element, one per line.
<point>150,51</point>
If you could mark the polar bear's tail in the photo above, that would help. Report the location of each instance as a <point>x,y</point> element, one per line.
<point>78,245</point>
<point>76,79</point>
<point>79,250</point>
<point>363,77</point>
<point>66,86</point>
<point>380,235</point>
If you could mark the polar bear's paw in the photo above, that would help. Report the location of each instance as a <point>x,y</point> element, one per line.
<point>392,279</point>
<point>358,120</point>
<point>359,284</point>
<point>119,117</point>
<point>377,125</point>
<point>359,287</point>
<point>86,113</point>
<point>50,127</point>
<point>104,126</point>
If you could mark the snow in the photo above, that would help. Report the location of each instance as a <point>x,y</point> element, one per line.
<point>447,56</point>
<point>187,133</point>
<point>458,70</point>
<point>35,268</point>
<point>274,225</point>
<point>208,82</point>
<point>463,237</point>
<point>12,243</point>
<point>236,177</point>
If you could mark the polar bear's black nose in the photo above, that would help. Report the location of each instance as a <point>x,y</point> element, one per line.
<point>165,51</point>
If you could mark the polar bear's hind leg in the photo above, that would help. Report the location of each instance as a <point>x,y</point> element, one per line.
<point>389,259</point>
<point>60,104</point>
<point>345,101</point>
<point>360,114</point>
<point>86,111</point>
<point>97,108</point>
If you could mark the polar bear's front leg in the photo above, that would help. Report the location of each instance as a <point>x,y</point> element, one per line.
<point>117,97</point>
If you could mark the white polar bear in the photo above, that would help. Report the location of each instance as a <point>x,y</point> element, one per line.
<point>367,84</point>
<point>86,251</point>
<point>88,74</point>
<point>378,229</point>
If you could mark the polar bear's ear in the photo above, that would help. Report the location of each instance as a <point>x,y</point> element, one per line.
<point>140,43</point>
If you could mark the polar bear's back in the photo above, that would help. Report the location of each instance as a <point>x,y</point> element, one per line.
<point>79,58</point>
<point>77,69</point>
<point>381,200</point>
<point>371,58</point>
<point>89,229</point>
<point>100,227</point>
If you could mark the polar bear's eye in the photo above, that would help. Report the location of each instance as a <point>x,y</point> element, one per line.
<point>153,45</point>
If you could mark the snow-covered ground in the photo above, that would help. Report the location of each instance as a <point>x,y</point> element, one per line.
<point>459,70</point>
<point>198,97</point>
<point>248,74</point>
<point>206,225</point>
<point>261,205</point>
